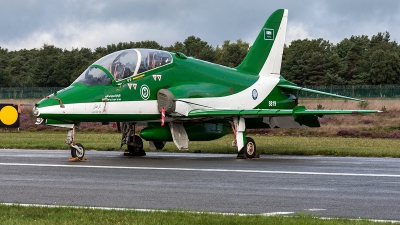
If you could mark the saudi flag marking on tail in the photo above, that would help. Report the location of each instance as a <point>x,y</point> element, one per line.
<point>268,34</point>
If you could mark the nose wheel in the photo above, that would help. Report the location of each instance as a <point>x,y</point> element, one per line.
<point>77,151</point>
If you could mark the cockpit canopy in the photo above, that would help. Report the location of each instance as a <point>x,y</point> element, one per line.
<point>122,64</point>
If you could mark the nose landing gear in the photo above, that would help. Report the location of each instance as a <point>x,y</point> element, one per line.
<point>77,150</point>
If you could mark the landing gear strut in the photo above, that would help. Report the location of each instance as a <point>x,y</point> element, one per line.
<point>77,150</point>
<point>246,145</point>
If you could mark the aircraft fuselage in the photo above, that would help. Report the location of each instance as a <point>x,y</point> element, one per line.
<point>134,98</point>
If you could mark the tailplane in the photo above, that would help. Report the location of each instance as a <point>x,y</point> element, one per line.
<point>265,55</point>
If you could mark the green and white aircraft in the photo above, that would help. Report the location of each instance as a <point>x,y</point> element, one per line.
<point>179,98</point>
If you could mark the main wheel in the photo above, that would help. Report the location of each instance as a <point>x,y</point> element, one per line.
<point>250,148</point>
<point>78,153</point>
<point>136,147</point>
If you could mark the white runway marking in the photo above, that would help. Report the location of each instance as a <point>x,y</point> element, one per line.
<point>202,170</point>
<point>315,210</point>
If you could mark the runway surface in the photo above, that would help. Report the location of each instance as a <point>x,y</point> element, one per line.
<point>324,186</point>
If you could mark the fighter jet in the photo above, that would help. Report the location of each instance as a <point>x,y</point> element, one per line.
<point>178,98</point>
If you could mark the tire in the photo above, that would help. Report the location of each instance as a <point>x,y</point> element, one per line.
<point>138,148</point>
<point>78,154</point>
<point>250,148</point>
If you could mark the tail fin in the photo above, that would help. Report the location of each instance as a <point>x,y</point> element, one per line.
<point>265,56</point>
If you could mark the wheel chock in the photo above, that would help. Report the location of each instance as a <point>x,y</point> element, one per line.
<point>76,159</point>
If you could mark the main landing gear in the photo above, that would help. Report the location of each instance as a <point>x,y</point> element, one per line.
<point>246,145</point>
<point>135,147</point>
<point>134,142</point>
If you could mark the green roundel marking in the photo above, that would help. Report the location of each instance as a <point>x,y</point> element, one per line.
<point>145,92</point>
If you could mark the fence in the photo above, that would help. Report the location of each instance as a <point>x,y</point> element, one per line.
<point>27,92</point>
<point>356,91</point>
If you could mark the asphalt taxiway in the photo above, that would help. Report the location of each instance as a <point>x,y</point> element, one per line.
<point>325,186</point>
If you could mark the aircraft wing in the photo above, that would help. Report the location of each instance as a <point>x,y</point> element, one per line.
<point>292,87</point>
<point>297,111</point>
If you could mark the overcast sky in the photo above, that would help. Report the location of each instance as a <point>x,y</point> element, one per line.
<point>27,24</point>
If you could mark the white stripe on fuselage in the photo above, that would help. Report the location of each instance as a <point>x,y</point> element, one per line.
<point>241,100</point>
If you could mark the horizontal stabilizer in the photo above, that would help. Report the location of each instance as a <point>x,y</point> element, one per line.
<point>300,110</point>
<point>285,86</point>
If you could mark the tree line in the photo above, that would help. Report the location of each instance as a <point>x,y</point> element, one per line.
<point>358,60</point>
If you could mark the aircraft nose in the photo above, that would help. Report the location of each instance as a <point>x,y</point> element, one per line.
<point>36,111</point>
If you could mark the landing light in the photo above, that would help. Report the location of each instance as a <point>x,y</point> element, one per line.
<point>35,111</point>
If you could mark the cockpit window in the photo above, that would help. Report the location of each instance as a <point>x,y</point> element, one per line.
<point>93,76</point>
<point>151,59</point>
<point>125,63</point>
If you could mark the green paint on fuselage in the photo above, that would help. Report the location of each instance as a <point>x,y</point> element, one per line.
<point>280,99</point>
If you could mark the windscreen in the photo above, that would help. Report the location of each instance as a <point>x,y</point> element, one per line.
<point>93,76</point>
<point>123,64</point>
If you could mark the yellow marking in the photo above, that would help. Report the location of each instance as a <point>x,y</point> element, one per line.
<point>76,159</point>
<point>138,77</point>
<point>8,115</point>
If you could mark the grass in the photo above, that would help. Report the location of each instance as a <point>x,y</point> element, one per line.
<point>16,214</point>
<point>56,140</point>
<point>266,144</point>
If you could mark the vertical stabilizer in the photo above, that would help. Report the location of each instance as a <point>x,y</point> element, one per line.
<point>265,55</point>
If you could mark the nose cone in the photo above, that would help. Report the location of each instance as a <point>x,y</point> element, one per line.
<point>36,111</point>
<point>50,111</point>
<point>42,108</point>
